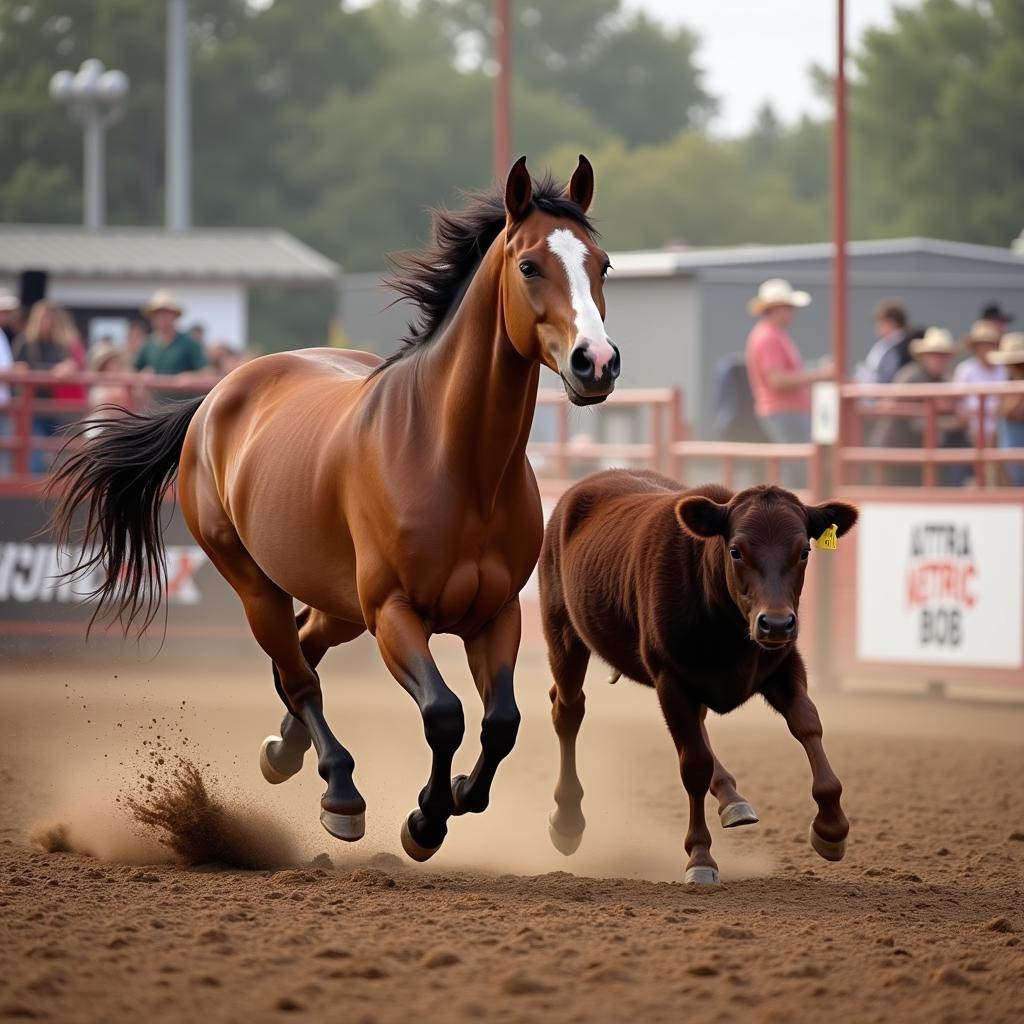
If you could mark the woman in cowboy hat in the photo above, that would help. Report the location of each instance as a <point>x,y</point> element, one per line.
<point>778,379</point>
<point>168,350</point>
<point>1010,430</point>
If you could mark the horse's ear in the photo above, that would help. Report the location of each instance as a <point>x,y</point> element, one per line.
<point>702,518</point>
<point>518,191</point>
<point>581,185</point>
<point>821,517</point>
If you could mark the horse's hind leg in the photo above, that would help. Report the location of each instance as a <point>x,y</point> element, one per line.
<point>568,657</point>
<point>272,621</point>
<point>733,810</point>
<point>281,756</point>
<point>492,658</point>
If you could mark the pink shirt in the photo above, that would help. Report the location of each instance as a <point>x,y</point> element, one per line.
<point>769,348</point>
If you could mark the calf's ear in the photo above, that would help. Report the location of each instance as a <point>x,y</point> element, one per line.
<point>702,518</point>
<point>821,517</point>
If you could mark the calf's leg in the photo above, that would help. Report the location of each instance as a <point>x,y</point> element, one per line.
<point>696,765</point>
<point>569,657</point>
<point>733,810</point>
<point>787,693</point>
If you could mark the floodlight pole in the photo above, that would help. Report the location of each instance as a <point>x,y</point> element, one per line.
<point>839,212</point>
<point>178,158</point>
<point>502,100</point>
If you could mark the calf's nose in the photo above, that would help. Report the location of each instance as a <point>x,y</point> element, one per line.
<point>776,627</point>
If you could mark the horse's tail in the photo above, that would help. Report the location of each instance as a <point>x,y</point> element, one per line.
<point>119,474</point>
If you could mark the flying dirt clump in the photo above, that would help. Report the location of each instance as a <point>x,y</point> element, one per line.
<point>200,829</point>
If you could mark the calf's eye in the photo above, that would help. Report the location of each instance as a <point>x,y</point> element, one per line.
<point>804,554</point>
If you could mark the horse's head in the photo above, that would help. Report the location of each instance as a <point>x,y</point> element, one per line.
<point>553,285</point>
<point>767,534</point>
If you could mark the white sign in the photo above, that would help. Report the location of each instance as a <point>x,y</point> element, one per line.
<point>941,584</point>
<point>825,412</point>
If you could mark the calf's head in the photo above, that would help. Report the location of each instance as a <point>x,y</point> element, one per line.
<point>763,536</point>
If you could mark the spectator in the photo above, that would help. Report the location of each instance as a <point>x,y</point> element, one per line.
<point>8,311</point>
<point>198,331</point>
<point>778,380</point>
<point>135,339</point>
<point>932,356</point>
<point>1010,430</point>
<point>106,357</point>
<point>982,341</point>
<point>995,314</point>
<point>167,350</point>
<point>50,342</point>
<point>891,352</point>
<point>224,358</point>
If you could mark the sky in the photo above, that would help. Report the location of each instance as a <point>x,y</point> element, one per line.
<point>753,50</point>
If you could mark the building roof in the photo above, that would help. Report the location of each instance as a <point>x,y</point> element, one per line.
<point>203,254</point>
<point>669,262</point>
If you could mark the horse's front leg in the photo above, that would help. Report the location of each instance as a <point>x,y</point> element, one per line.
<point>492,657</point>
<point>787,693</point>
<point>402,639</point>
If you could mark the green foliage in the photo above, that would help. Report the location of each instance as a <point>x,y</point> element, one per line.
<point>344,126</point>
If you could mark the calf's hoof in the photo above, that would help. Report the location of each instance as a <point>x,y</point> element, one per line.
<point>825,848</point>
<point>413,848</point>
<point>565,844</point>
<point>739,812</point>
<point>274,771</point>
<point>348,827</point>
<point>702,875</point>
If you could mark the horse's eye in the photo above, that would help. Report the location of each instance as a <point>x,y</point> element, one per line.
<point>528,269</point>
<point>604,270</point>
<point>804,554</point>
<point>735,552</point>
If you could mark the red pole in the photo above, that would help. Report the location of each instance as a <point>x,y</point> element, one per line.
<point>502,102</point>
<point>839,211</point>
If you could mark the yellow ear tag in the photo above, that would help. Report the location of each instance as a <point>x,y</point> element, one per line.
<point>828,541</point>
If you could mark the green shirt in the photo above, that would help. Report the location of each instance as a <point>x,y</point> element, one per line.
<point>180,355</point>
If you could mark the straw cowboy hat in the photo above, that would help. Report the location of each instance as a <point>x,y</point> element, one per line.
<point>777,292</point>
<point>935,340</point>
<point>982,332</point>
<point>9,302</point>
<point>1011,349</point>
<point>162,299</point>
<point>101,353</point>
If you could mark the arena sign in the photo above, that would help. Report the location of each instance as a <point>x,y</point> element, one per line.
<point>941,584</point>
<point>35,600</point>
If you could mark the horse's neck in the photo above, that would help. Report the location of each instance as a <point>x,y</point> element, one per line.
<point>484,391</point>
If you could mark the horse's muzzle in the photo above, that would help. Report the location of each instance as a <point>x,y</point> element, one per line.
<point>588,381</point>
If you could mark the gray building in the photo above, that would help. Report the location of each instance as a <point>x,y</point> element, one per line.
<point>676,313</point>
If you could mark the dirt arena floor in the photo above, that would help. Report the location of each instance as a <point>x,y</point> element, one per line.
<point>923,920</point>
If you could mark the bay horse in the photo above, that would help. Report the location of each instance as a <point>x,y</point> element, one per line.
<point>695,593</point>
<point>393,495</point>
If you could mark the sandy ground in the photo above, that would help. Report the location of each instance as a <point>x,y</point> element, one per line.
<point>923,921</point>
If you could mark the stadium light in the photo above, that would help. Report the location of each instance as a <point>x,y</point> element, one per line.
<point>96,97</point>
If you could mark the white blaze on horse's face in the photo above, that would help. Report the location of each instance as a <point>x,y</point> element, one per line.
<point>590,332</point>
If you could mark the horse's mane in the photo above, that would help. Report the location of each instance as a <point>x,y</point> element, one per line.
<point>434,277</point>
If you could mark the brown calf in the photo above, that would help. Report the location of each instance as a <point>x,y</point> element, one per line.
<point>697,594</point>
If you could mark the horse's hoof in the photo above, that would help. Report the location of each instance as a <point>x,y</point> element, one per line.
<point>412,848</point>
<point>739,812</point>
<point>565,845</point>
<point>702,876</point>
<point>348,827</point>
<point>270,773</point>
<point>826,849</point>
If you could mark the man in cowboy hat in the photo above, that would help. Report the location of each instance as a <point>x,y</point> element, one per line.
<point>778,379</point>
<point>978,368</point>
<point>168,350</point>
<point>891,352</point>
<point>932,355</point>
<point>997,315</point>
<point>1010,429</point>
